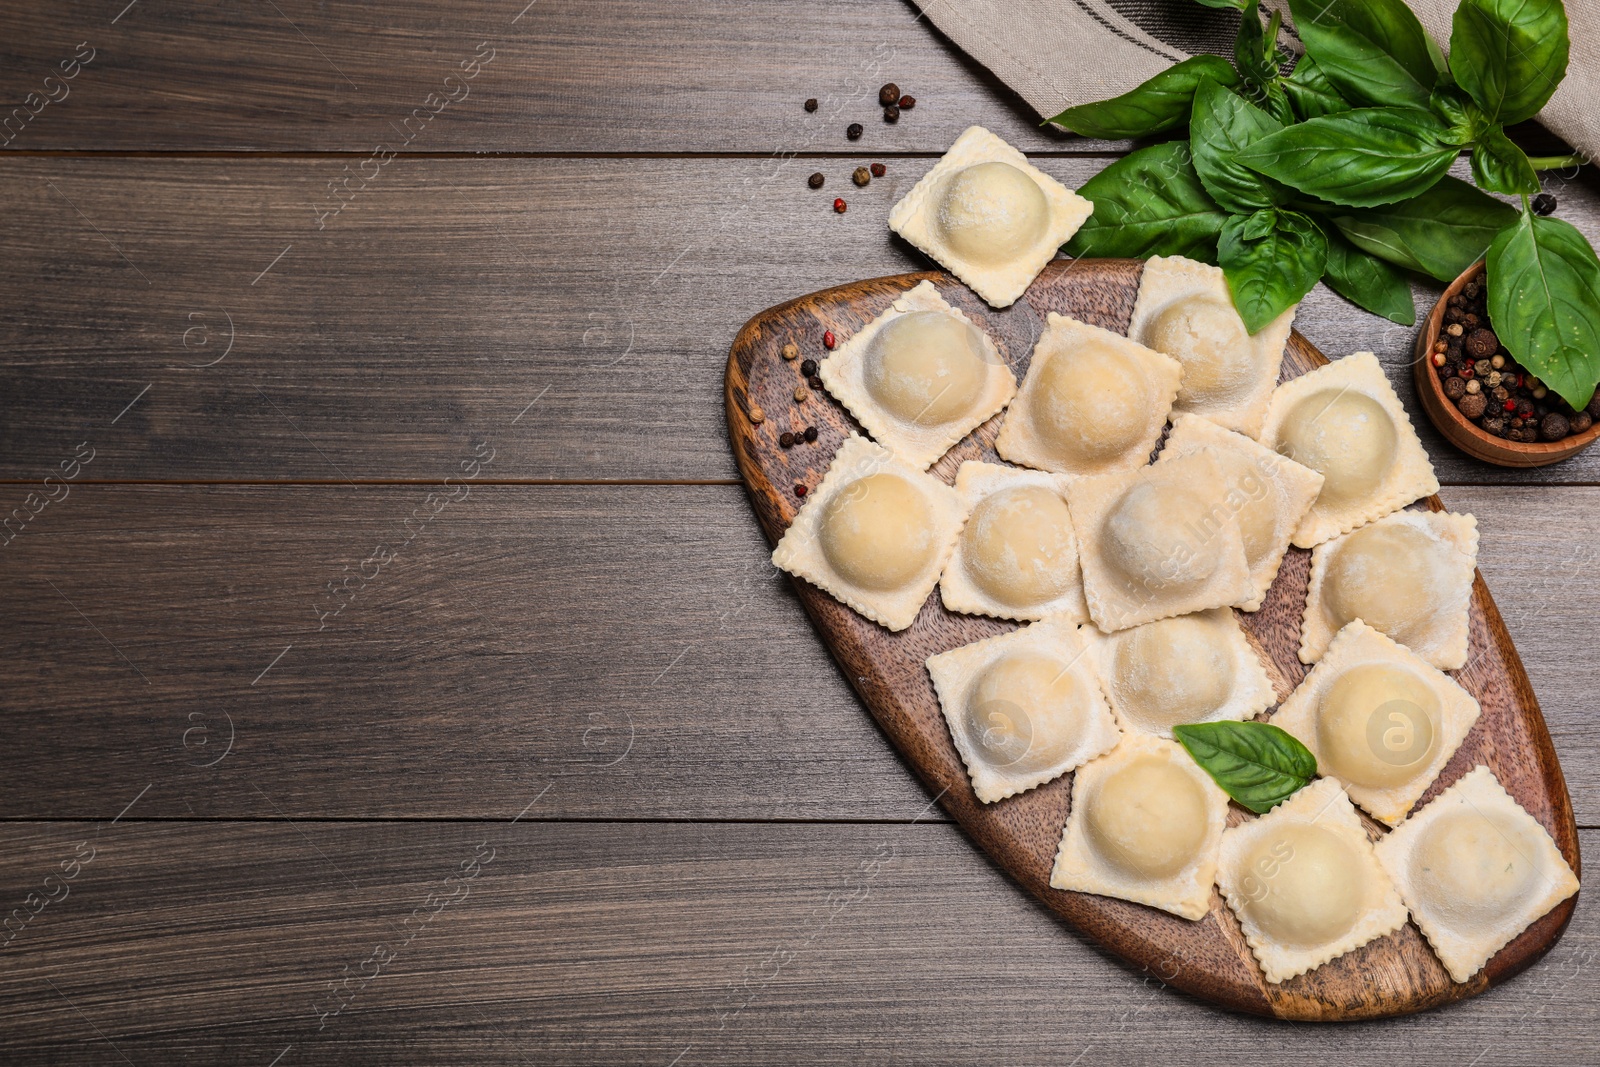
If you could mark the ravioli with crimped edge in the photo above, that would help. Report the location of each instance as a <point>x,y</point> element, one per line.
<point>1269,494</point>
<point>1408,575</point>
<point>919,377</point>
<point>874,535</point>
<point>1185,310</point>
<point>1344,421</point>
<point>1023,708</point>
<point>989,216</point>
<point>1016,557</point>
<point>1379,718</point>
<point>1092,401</point>
<point>1305,884</point>
<point>1476,870</point>
<point>1146,825</point>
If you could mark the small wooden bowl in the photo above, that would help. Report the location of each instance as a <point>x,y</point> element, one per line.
<point>1461,431</point>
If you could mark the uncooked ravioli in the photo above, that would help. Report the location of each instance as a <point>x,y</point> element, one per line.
<point>1408,575</point>
<point>989,216</point>
<point>1476,869</point>
<point>1023,708</point>
<point>1092,401</point>
<point>1379,718</point>
<point>1305,884</point>
<point>1145,825</point>
<point>1017,557</point>
<point>875,534</point>
<point>1344,421</point>
<point>919,377</point>
<point>1185,310</point>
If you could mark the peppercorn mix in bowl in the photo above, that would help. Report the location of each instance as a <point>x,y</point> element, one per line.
<point>1477,395</point>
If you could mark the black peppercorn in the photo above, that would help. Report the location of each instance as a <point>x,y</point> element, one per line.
<point>815,383</point>
<point>1544,204</point>
<point>811,104</point>
<point>1495,425</point>
<point>786,439</point>
<point>889,94</point>
<point>811,434</point>
<point>816,180</point>
<point>891,114</point>
<point>808,368</point>
<point>1580,422</point>
<point>853,131</point>
<point>1455,388</point>
<point>1593,407</point>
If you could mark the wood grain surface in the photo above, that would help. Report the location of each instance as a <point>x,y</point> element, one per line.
<point>585,231</point>
<point>1393,975</point>
<point>447,298</point>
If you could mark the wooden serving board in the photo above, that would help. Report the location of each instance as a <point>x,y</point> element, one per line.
<point>1394,975</point>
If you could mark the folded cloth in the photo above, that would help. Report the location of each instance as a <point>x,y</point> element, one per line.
<point>1059,53</point>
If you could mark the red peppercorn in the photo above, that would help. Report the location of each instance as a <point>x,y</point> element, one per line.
<point>909,102</point>
<point>1466,370</point>
<point>878,170</point>
<point>1510,405</point>
<point>800,490</point>
<point>828,340</point>
<point>839,205</point>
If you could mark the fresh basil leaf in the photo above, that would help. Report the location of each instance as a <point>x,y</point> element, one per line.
<point>1358,158</point>
<point>1544,302</point>
<point>1440,233</point>
<point>1499,166</point>
<point>1260,60</point>
<point>1463,119</point>
<point>1368,282</point>
<point>1221,125</point>
<point>1509,55</point>
<point>1374,51</point>
<point>1255,763</point>
<point>1271,259</point>
<point>1311,93</point>
<point>1149,203</point>
<point>1159,104</point>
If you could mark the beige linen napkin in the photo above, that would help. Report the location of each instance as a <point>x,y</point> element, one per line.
<point>1058,53</point>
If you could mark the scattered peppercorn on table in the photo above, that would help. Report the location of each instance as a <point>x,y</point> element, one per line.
<point>394,670</point>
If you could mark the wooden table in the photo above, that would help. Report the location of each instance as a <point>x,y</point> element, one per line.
<point>313,756</point>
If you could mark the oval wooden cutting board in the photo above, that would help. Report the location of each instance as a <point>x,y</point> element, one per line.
<point>1209,959</point>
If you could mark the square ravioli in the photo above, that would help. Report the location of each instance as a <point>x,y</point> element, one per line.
<point>1016,557</point>
<point>1092,402</point>
<point>1305,884</point>
<point>1186,669</point>
<point>919,377</point>
<point>1379,718</point>
<point>1185,310</point>
<point>1146,825</point>
<point>1408,575</point>
<point>874,535</point>
<point>1344,421</point>
<point>1157,542</point>
<point>988,216</point>
<point>1476,870</point>
<point>1023,708</point>
<point>1270,493</point>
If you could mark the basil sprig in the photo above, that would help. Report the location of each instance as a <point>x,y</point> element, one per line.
<point>1338,170</point>
<point>1255,763</point>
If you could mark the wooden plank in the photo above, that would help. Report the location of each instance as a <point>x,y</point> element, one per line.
<point>1022,835</point>
<point>460,680</point>
<point>451,295</point>
<point>632,943</point>
<point>553,76</point>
